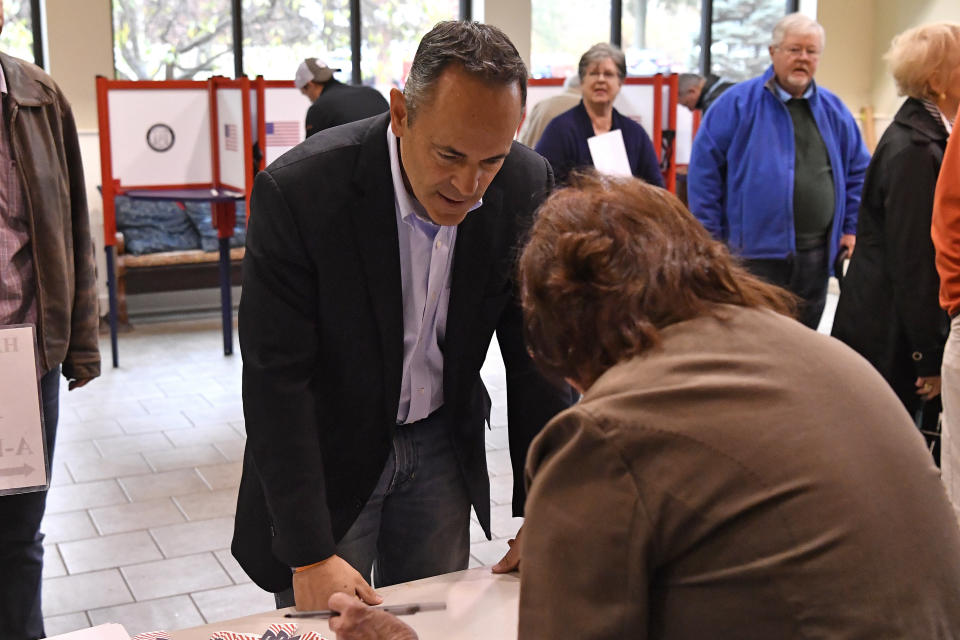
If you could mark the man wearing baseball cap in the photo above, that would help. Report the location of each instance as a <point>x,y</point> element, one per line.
<point>333,102</point>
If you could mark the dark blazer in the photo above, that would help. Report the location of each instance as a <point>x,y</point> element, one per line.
<point>564,144</point>
<point>321,333</point>
<point>888,309</point>
<point>342,103</point>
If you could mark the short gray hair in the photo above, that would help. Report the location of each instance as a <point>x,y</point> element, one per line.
<point>794,23</point>
<point>482,50</point>
<point>602,51</point>
<point>687,81</point>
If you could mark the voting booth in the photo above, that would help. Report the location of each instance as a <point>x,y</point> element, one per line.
<point>191,142</point>
<point>282,126</point>
<point>652,102</point>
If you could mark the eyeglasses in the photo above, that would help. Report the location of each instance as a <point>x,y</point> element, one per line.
<point>606,75</point>
<point>796,52</point>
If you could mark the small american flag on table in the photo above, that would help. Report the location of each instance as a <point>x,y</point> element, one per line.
<point>283,133</point>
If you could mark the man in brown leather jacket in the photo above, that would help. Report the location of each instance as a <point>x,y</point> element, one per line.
<point>46,279</point>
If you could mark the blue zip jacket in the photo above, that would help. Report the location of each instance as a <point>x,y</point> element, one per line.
<point>740,180</point>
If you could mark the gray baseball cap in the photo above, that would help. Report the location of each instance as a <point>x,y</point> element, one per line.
<point>312,69</point>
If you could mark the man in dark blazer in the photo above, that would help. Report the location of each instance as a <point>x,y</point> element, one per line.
<point>380,260</point>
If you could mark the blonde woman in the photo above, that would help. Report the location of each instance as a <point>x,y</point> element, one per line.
<point>888,310</point>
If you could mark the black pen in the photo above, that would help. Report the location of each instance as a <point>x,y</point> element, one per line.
<point>395,609</point>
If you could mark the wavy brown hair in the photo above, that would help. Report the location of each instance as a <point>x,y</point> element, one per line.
<point>612,261</point>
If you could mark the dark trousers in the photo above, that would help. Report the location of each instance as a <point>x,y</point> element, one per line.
<point>21,543</point>
<point>805,275</point>
<point>416,524</point>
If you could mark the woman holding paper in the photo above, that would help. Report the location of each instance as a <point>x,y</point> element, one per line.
<point>565,140</point>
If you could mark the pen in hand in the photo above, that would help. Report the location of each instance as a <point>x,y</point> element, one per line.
<point>395,609</point>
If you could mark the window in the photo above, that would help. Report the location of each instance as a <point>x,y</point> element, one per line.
<point>391,31</point>
<point>660,36</point>
<point>562,32</point>
<point>17,36</point>
<point>279,34</point>
<point>741,35</point>
<point>163,40</point>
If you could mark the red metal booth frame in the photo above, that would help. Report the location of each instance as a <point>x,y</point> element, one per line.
<point>221,196</point>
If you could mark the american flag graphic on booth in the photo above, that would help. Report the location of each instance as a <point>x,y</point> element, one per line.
<point>230,137</point>
<point>283,133</point>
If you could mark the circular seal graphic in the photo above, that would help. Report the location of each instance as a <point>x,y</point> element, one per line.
<point>160,137</point>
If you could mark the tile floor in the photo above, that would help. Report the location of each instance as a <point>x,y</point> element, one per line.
<point>146,469</point>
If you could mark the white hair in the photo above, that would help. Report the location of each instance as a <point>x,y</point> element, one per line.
<point>797,23</point>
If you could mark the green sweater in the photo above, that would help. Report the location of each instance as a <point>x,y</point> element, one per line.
<point>813,196</point>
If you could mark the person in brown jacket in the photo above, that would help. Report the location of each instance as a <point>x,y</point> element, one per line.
<point>728,473</point>
<point>46,279</point>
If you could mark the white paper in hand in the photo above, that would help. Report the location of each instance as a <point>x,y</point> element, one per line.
<point>609,153</point>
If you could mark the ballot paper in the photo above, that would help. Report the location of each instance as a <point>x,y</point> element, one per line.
<point>609,153</point>
<point>100,632</point>
<point>23,464</point>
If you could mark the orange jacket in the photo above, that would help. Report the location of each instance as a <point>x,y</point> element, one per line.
<point>946,225</point>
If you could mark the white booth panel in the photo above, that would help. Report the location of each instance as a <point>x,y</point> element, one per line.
<point>160,136</point>
<point>285,110</point>
<point>232,143</point>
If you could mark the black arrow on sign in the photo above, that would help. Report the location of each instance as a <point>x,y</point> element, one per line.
<point>23,470</point>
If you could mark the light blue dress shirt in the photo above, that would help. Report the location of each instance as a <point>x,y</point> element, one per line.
<point>785,95</point>
<point>426,268</point>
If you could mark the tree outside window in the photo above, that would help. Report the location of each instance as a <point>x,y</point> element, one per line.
<point>660,36</point>
<point>17,36</point>
<point>562,30</point>
<point>279,34</point>
<point>391,31</point>
<point>741,35</point>
<point>163,40</point>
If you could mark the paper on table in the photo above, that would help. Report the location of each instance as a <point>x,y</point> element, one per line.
<point>609,153</point>
<point>110,631</point>
<point>22,461</point>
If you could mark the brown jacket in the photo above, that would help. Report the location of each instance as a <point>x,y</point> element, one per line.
<point>44,142</point>
<point>751,479</point>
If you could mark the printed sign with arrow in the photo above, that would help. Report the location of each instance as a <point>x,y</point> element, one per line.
<point>22,459</point>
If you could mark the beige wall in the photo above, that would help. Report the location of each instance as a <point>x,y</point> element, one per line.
<point>79,47</point>
<point>848,60</point>
<point>893,17</point>
<point>858,34</point>
<point>513,16</point>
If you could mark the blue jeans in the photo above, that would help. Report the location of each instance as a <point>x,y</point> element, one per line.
<point>416,524</point>
<point>21,543</point>
<point>806,275</point>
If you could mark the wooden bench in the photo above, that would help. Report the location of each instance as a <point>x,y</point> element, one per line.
<point>169,271</point>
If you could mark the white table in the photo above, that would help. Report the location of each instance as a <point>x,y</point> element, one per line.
<point>480,606</point>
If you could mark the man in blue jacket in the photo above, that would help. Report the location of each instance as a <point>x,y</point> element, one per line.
<point>777,168</point>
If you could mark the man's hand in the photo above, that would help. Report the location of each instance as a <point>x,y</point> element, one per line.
<point>357,621</point>
<point>77,383</point>
<point>928,387</point>
<point>849,241</point>
<point>313,587</point>
<point>511,561</point>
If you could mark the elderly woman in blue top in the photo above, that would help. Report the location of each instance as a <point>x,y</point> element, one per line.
<point>564,141</point>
